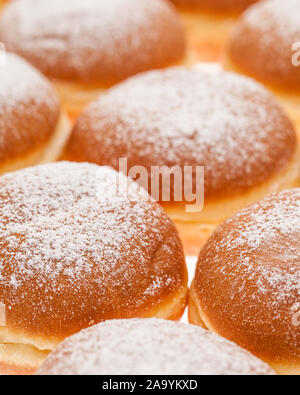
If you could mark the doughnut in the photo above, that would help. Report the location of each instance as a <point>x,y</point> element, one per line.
<point>152,347</point>
<point>247,282</point>
<point>32,127</point>
<point>88,46</point>
<point>208,24</point>
<point>265,44</point>
<point>80,244</point>
<point>190,117</point>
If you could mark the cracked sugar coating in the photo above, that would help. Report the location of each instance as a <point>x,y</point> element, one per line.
<point>73,252</point>
<point>149,347</point>
<point>223,6</point>
<point>262,43</point>
<point>180,116</point>
<point>248,278</point>
<point>94,41</point>
<point>29,109</point>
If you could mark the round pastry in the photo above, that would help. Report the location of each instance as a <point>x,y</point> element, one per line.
<point>265,44</point>
<point>88,46</point>
<point>152,347</point>
<point>32,127</point>
<point>80,244</point>
<point>247,282</point>
<point>208,24</point>
<point>180,119</point>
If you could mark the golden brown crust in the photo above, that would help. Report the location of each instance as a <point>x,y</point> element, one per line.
<point>73,253</point>
<point>246,285</point>
<point>50,151</point>
<point>193,313</point>
<point>189,117</point>
<point>94,41</point>
<point>262,43</point>
<point>29,110</point>
<point>218,6</point>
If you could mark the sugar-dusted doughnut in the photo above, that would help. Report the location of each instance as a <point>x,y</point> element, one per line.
<point>191,117</point>
<point>80,244</point>
<point>150,347</point>
<point>32,127</point>
<point>265,44</point>
<point>87,46</point>
<point>247,282</point>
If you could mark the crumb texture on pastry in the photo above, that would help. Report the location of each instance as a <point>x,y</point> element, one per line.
<point>149,347</point>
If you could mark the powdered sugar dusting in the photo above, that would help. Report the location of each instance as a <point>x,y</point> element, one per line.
<point>254,258</point>
<point>150,347</point>
<point>91,39</point>
<point>76,233</point>
<point>183,116</point>
<point>22,87</point>
<point>273,229</point>
<point>273,18</point>
<point>29,107</point>
<point>262,42</point>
